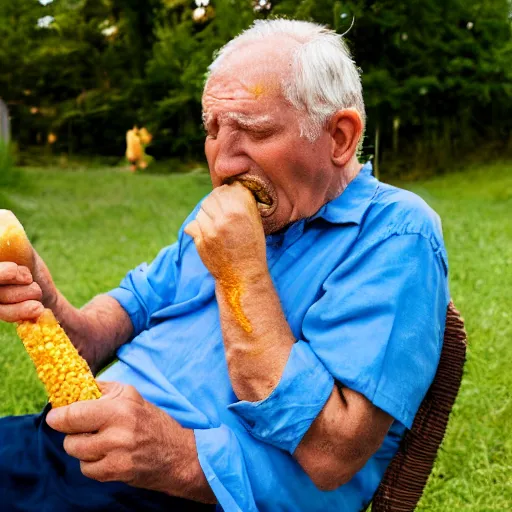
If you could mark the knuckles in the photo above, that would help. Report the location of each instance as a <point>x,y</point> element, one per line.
<point>125,412</point>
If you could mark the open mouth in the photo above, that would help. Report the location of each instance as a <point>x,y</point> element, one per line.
<point>265,198</point>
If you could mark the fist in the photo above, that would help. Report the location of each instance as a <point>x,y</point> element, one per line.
<point>26,286</point>
<point>228,234</point>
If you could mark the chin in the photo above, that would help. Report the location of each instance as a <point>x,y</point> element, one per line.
<point>271,225</point>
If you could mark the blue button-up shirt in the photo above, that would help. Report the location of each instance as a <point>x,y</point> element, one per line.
<point>363,286</point>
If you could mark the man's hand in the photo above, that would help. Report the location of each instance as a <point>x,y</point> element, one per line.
<point>20,295</point>
<point>228,234</point>
<point>24,292</point>
<point>230,240</point>
<point>122,437</point>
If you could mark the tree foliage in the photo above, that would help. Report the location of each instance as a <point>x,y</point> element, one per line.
<point>437,74</point>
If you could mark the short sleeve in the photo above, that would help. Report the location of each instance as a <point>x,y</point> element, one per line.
<point>378,325</point>
<point>147,288</point>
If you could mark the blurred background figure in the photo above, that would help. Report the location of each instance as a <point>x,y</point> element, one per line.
<point>136,143</point>
<point>133,148</point>
<point>145,137</point>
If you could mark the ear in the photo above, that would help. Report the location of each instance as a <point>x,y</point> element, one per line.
<point>345,128</point>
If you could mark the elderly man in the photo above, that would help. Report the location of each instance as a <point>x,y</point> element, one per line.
<point>272,358</point>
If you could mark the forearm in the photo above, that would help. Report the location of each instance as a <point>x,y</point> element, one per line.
<point>332,451</point>
<point>257,337</point>
<point>97,330</point>
<point>346,431</point>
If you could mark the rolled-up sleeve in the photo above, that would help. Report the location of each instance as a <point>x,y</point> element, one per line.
<point>247,475</point>
<point>377,329</point>
<point>286,414</point>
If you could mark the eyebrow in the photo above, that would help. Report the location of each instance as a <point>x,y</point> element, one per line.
<point>243,120</point>
<point>246,121</point>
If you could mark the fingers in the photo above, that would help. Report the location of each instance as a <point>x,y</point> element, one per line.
<point>205,223</point>
<point>201,228</point>
<point>213,202</point>
<point>20,296</point>
<point>110,390</point>
<point>116,406</point>
<point>209,209</point>
<point>15,293</point>
<point>28,310</point>
<point>81,417</point>
<point>10,273</point>
<point>86,447</point>
<point>236,199</point>
<point>102,471</point>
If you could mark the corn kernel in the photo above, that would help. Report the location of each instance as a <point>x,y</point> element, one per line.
<point>65,374</point>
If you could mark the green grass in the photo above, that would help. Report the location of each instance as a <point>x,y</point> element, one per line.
<point>92,226</point>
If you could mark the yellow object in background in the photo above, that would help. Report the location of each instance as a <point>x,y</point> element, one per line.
<point>136,142</point>
<point>133,146</point>
<point>145,136</point>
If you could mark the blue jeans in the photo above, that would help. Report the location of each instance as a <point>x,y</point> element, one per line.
<point>36,474</point>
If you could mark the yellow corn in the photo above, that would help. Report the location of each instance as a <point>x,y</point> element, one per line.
<point>65,374</point>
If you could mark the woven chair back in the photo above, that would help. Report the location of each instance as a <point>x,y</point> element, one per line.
<point>407,474</point>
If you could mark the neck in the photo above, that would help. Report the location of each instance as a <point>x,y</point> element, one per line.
<point>344,177</point>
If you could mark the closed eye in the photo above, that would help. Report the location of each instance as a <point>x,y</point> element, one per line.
<point>260,133</point>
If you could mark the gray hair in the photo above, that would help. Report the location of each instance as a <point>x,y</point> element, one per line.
<point>323,78</point>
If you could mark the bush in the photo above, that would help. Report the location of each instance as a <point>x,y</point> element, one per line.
<point>10,177</point>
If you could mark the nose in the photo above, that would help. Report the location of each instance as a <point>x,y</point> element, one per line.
<point>229,158</point>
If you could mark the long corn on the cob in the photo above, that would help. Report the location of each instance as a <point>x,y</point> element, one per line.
<point>60,367</point>
<point>65,374</point>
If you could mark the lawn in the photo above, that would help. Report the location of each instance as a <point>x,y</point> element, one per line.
<point>92,226</point>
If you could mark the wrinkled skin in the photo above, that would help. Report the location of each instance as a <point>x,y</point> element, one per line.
<point>121,437</point>
<point>252,132</point>
<point>226,251</point>
<point>254,137</point>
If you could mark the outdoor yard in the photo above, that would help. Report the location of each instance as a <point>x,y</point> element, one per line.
<point>91,226</point>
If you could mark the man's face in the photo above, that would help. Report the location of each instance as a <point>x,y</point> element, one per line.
<point>253,136</point>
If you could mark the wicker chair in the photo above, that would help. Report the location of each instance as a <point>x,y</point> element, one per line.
<point>406,476</point>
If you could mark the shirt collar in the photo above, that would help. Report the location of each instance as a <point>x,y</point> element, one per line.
<point>350,206</point>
